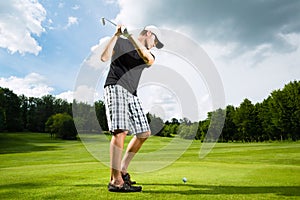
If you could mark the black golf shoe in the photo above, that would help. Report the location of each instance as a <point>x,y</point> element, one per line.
<point>126,179</point>
<point>125,188</point>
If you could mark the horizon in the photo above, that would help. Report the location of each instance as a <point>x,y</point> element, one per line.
<point>44,43</point>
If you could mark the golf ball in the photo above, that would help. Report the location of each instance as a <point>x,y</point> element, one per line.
<point>184,179</point>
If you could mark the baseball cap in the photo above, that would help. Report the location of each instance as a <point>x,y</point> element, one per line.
<point>157,34</point>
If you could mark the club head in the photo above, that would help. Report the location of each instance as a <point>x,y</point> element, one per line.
<point>103,21</point>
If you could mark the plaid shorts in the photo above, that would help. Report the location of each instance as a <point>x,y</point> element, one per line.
<point>124,110</point>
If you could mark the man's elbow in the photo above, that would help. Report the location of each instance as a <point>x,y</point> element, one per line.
<point>149,61</point>
<point>103,58</point>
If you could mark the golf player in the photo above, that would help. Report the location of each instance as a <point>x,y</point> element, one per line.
<point>129,57</point>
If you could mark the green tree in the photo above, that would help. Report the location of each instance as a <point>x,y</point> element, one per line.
<point>2,110</point>
<point>85,117</point>
<point>285,110</point>
<point>170,128</point>
<point>62,126</point>
<point>268,129</point>
<point>101,115</point>
<point>175,121</point>
<point>185,121</point>
<point>24,106</point>
<point>202,129</point>
<point>156,124</point>
<point>188,131</point>
<point>61,106</point>
<point>10,114</point>
<point>174,128</point>
<point>229,129</point>
<point>166,132</point>
<point>216,119</point>
<point>44,111</point>
<point>32,116</point>
<point>244,119</point>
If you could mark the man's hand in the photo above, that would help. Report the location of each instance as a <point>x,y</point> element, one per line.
<point>122,30</point>
<point>108,50</point>
<point>125,33</point>
<point>118,31</point>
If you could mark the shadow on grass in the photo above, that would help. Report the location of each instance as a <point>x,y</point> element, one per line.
<point>26,185</point>
<point>192,189</point>
<point>30,185</point>
<point>22,143</point>
<point>187,189</point>
<point>91,185</point>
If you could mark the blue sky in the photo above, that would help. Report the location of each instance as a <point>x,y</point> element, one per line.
<point>255,45</point>
<point>69,30</point>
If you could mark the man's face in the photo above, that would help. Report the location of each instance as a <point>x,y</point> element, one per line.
<point>150,40</point>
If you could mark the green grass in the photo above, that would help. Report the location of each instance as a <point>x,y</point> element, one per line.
<point>33,166</point>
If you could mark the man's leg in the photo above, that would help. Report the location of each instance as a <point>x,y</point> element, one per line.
<point>116,149</point>
<point>133,147</point>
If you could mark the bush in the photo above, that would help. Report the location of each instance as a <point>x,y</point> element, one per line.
<point>62,126</point>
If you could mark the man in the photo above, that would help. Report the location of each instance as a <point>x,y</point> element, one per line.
<point>129,57</point>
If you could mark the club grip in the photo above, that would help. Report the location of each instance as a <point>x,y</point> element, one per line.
<point>124,29</point>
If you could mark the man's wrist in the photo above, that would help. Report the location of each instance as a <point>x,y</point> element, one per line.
<point>125,33</point>
<point>117,34</point>
<point>128,36</point>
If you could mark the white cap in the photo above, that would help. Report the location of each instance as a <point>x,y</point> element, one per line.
<point>157,34</point>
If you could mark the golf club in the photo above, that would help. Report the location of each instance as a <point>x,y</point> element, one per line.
<point>103,19</point>
<point>123,29</point>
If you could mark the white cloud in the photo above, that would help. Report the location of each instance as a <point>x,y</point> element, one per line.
<point>93,61</point>
<point>76,7</point>
<point>176,88</point>
<point>35,85</point>
<point>68,96</point>
<point>71,21</point>
<point>86,94</point>
<point>20,19</point>
<point>161,101</point>
<point>217,50</point>
<point>110,1</point>
<point>292,39</point>
<point>32,85</point>
<point>61,5</point>
<point>133,13</point>
<point>254,54</point>
<point>254,74</point>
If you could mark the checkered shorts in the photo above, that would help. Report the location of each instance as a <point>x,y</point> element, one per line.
<point>124,110</point>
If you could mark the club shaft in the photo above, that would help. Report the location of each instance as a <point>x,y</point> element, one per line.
<point>110,21</point>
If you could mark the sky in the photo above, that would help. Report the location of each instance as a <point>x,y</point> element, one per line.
<point>254,45</point>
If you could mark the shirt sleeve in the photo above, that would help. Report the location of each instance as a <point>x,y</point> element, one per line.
<point>117,46</point>
<point>124,46</point>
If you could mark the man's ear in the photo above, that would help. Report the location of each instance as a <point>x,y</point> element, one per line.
<point>148,33</point>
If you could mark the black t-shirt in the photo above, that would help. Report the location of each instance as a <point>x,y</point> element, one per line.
<point>126,66</point>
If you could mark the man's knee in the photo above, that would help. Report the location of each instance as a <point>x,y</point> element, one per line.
<point>144,135</point>
<point>119,134</point>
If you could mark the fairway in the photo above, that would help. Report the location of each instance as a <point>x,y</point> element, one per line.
<point>33,166</point>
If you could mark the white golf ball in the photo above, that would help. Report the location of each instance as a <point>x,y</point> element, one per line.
<point>184,179</point>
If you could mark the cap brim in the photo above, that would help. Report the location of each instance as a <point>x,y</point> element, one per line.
<point>159,45</point>
<point>154,30</point>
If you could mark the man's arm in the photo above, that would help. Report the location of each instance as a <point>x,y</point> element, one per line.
<point>108,50</point>
<point>144,53</point>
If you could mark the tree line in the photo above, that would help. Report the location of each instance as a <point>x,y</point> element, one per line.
<point>46,115</point>
<point>276,118</point>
